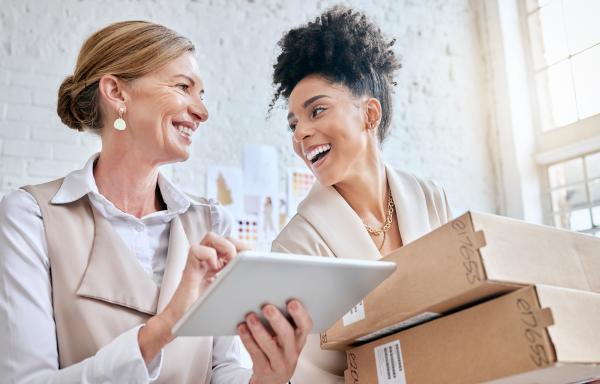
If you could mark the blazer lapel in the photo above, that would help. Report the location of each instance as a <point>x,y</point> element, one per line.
<point>339,226</point>
<point>343,231</point>
<point>176,258</point>
<point>114,275</point>
<point>411,207</point>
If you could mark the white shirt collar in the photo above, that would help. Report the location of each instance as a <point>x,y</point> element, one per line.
<point>81,182</point>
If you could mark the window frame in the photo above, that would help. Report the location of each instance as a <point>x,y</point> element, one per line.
<point>559,144</point>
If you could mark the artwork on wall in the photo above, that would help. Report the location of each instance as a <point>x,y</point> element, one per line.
<point>246,230</point>
<point>299,181</point>
<point>253,197</point>
<point>225,184</point>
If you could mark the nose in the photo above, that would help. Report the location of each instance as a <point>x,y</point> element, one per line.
<point>198,111</point>
<point>302,132</point>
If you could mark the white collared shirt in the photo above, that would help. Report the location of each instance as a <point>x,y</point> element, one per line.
<point>28,345</point>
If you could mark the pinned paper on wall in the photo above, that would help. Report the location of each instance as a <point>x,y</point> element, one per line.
<point>246,229</point>
<point>261,188</point>
<point>268,219</point>
<point>260,170</point>
<point>300,181</point>
<point>283,211</point>
<point>226,185</point>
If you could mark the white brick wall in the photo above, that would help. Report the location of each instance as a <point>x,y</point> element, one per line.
<point>440,128</point>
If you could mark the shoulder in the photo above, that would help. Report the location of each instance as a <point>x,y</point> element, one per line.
<point>299,236</point>
<point>18,204</point>
<point>221,220</point>
<point>22,238</point>
<point>434,194</point>
<point>298,226</point>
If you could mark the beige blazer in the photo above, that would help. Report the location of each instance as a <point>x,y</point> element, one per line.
<point>100,290</point>
<point>326,225</point>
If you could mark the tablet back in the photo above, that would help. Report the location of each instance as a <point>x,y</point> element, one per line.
<point>328,288</point>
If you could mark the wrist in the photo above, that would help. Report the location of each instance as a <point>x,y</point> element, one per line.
<point>162,325</point>
<point>153,336</point>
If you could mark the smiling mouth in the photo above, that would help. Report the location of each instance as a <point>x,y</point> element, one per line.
<point>318,153</point>
<point>184,131</point>
<point>319,156</point>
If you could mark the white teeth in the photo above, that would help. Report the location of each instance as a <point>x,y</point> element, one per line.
<point>184,130</point>
<point>320,149</point>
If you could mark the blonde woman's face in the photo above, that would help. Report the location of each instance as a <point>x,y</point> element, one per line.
<point>166,109</point>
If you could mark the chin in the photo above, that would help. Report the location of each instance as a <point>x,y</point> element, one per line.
<point>326,179</point>
<point>177,156</point>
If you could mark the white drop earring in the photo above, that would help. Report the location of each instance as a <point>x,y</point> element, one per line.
<point>119,123</point>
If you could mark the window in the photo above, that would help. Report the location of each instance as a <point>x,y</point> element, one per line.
<point>565,48</point>
<point>564,43</point>
<point>574,194</point>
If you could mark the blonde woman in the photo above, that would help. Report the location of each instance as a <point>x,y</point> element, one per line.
<point>96,267</point>
<point>336,74</point>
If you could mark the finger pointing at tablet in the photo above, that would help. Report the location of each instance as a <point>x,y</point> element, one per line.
<point>203,262</point>
<point>275,356</point>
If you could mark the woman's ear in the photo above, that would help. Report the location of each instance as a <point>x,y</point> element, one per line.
<point>373,113</point>
<point>113,91</point>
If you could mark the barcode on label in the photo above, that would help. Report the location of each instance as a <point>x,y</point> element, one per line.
<point>390,367</point>
<point>357,313</point>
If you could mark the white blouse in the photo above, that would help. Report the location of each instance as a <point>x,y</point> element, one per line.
<point>28,345</point>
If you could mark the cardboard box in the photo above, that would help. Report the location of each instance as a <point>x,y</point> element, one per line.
<point>470,259</point>
<point>539,334</point>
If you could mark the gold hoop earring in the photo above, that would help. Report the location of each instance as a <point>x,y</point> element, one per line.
<point>119,123</point>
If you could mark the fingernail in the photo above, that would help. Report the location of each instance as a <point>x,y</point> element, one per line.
<point>241,328</point>
<point>252,320</point>
<point>269,311</point>
<point>293,305</point>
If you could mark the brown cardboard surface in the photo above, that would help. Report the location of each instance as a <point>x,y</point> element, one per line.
<point>505,337</point>
<point>514,250</point>
<point>576,336</point>
<point>555,374</point>
<point>473,258</point>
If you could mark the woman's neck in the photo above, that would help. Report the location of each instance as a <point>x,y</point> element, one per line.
<point>128,182</point>
<point>366,191</point>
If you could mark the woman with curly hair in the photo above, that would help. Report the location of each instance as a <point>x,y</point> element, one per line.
<point>336,74</point>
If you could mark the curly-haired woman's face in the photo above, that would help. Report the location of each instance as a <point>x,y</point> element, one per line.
<point>165,109</point>
<point>329,129</point>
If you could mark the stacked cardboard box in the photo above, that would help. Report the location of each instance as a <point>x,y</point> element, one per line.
<point>473,273</point>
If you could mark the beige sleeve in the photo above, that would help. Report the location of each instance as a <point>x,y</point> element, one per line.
<point>300,237</point>
<point>315,365</point>
<point>437,202</point>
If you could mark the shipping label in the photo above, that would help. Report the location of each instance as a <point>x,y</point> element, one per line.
<point>390,367</point>
<point>357,313</point>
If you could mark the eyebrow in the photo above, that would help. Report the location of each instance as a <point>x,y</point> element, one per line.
<point>186,77</point>
<point>307,103</point>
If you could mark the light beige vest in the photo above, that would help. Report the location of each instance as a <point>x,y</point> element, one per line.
<point>99,289</point>
<point>326,225</point>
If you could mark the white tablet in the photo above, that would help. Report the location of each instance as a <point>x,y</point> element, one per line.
<point>328,287</point>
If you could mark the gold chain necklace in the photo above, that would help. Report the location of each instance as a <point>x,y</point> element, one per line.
<point>388,219</point>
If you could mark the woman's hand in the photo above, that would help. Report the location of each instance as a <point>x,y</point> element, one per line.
<point>275,356</point>
<point>204,261</point>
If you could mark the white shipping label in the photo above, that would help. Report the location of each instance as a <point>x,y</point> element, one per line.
<point>421,318</point>
<point>357,313</point>
<point>390,367</point>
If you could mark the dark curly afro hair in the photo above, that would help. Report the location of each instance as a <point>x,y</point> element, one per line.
<point>345,47</point>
